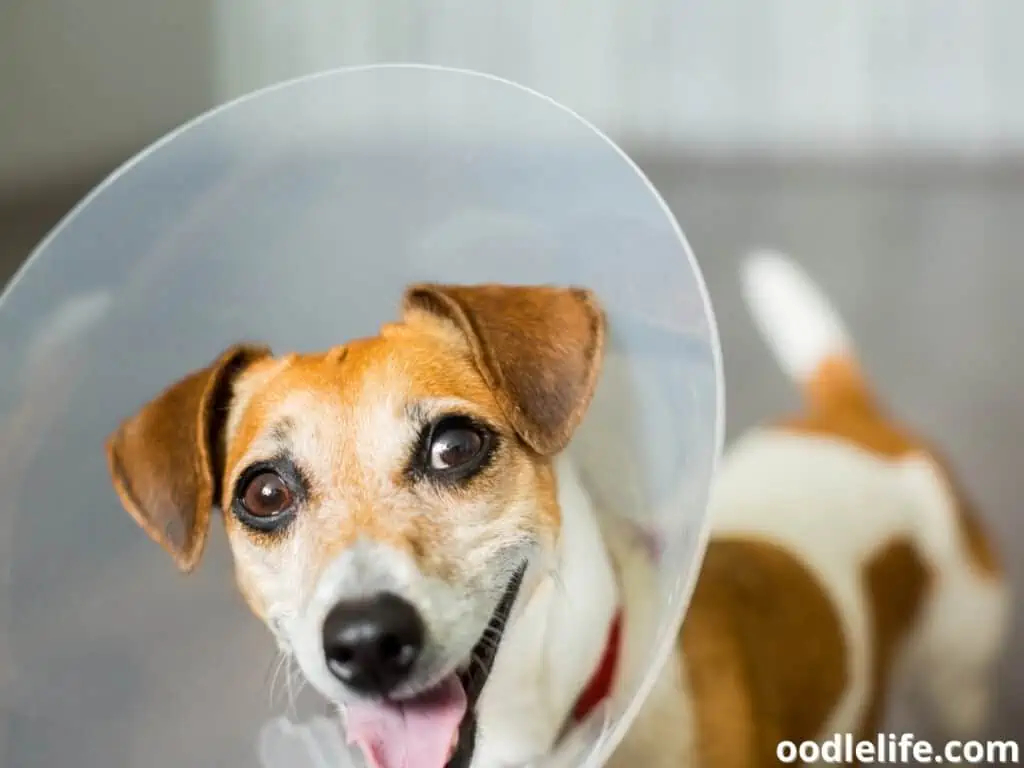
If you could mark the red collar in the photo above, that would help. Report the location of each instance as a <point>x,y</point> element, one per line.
<point>600,685</point>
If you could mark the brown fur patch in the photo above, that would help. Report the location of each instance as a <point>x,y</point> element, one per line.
<point>166,461</point>
<point>840,404</point>
<point>896,581</point>
<point>765,653</point>
<point>539,348</point>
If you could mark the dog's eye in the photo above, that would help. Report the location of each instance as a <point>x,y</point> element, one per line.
<point>266,496</point>
<point>456,444</point>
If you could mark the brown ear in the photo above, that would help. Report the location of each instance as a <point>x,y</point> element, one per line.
<point>538,347</point>
<point>166,460</point>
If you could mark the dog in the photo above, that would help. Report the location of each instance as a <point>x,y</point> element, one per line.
<point>404,519</point>
<point>845,560</point>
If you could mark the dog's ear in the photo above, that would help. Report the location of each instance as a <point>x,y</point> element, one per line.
<point>538,347</point>
<point>166,460</point>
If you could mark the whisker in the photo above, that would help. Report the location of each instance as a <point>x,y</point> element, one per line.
<point>281,660</point>
<point>294,671</point>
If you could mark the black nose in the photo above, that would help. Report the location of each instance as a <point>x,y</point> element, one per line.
<point>372,644</point>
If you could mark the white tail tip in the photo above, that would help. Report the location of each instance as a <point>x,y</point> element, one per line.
<point>795,318</point>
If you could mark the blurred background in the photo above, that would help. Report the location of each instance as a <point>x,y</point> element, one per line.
<point>881,142</point>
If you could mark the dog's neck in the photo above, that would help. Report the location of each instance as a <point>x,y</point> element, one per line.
<point>556,642</point>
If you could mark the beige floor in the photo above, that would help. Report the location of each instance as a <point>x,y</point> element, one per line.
<point>926,266</point>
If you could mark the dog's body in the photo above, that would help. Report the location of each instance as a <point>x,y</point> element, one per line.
<point>838,547</point>
<point>842,556</point>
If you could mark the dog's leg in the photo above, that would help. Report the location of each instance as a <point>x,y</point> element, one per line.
<point>960,644</point>
<point>955,651</point>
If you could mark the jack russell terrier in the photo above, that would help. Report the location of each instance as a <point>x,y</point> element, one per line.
<point>402,518</point>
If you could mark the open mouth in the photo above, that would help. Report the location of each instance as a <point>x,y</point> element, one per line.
<point>437,728</point>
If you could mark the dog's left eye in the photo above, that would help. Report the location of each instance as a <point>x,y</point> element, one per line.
<point>456,444</point>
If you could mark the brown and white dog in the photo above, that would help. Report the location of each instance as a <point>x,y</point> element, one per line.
<point>403,518</point>
<point>844,560</point>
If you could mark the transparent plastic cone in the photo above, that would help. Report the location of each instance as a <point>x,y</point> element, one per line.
<point>296,216</point>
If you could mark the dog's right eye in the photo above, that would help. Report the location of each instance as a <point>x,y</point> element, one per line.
<point>264,500</point>
<point>266,495</point>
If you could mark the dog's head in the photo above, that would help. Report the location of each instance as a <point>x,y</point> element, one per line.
<point>382,500</point>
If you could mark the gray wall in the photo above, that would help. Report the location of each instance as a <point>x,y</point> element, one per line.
<point>723,76</point>
<point>84,82</point>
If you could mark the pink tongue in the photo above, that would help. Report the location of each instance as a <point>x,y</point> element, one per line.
<point>411,734</point>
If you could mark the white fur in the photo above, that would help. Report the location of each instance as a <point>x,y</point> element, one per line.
<point>369,568</point>
<point>555,644</point>
<point>796,320</point>
<point>554,641</point>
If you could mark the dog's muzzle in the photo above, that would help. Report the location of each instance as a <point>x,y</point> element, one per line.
<point>372,646</point>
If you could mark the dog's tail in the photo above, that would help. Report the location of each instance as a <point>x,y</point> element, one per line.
<point>804,331</point>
